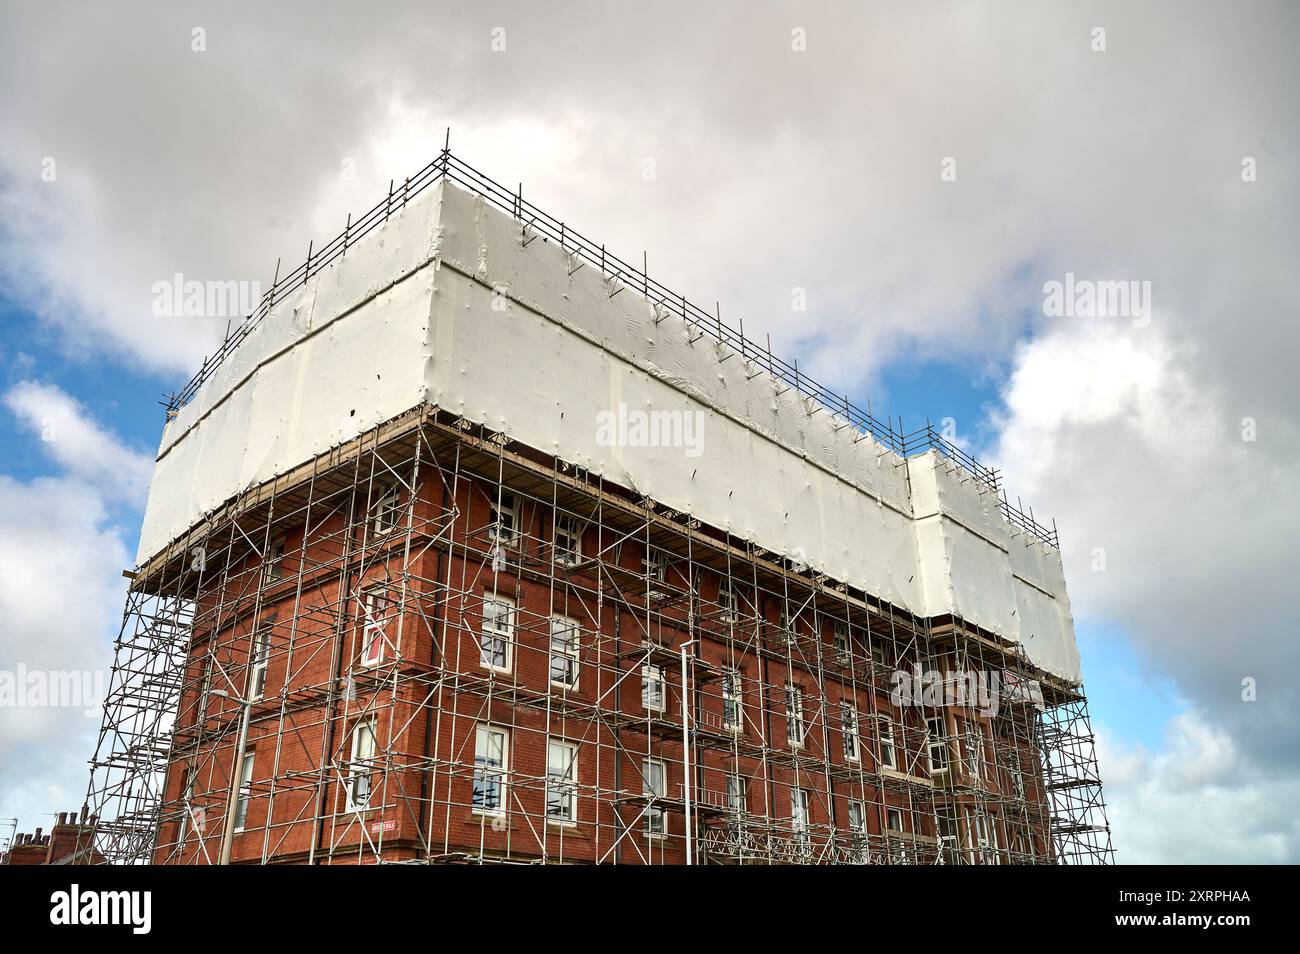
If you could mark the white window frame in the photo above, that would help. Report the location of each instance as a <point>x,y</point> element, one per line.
<point>733,702</point>
<point>561,781</point>
<point>975,750</point>
<point>205,694</point>
<point>1017,775</point>
<point>800,810</point>
<point>386,509</point>
<point>503,527</point>
<point>890,814</point>
<point>858,827</point>
<point>273,563</point>
<point>995,839</point>
<point>936,743</point>
<point>784,623</point>
<point>361,764</point>
<point>949,840</point>
<point>654,688</point>
<point>728,604</point>
<point>849,730</point>
<point>244,794</point>
<point>498,625</point>
<point>490,777</point>
<point>888,746</point>
<point>654,784</point>
<point>983,844</point>
<point>737,794</point>
<point>187,799</point>
<point>795,729</point>
<point>568,540</point>
<point>259,661</point>
<point>374,620</point>
<point>840,641</point>
<point>566,631</point>
<point>654,564</point>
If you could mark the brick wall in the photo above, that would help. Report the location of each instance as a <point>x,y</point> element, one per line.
<point>427,700</point>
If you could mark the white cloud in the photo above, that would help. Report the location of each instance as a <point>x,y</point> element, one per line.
<point>1197,801</point>
<point>61,594</point>
<point>61,597</point>
<point>1197,529</point>
<point>774,169</point>
<point>1197,532</point>
<point>72,438</point>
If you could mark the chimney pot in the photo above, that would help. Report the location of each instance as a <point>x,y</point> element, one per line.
<point>63,820</point>
<point>38,835</point>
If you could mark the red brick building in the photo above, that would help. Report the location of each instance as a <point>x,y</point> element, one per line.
<point>459,633</point>
<point>68,843</point>
<point>469,669</point>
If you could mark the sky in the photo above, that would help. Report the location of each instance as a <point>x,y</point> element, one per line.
<point>920,172</point>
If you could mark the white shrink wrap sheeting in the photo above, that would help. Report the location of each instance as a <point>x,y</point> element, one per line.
<point>445,304</point>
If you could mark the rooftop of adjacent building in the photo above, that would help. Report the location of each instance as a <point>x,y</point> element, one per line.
<point>67,843</point>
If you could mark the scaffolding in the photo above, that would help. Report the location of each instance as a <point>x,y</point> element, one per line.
<point>431,644</point>
<point>454,648</point>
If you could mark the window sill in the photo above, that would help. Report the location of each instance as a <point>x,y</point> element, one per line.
<point>904,776</point>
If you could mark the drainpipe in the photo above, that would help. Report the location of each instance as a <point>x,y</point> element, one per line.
<point>236,773</point>
<point>427,836</point>
<point>686,754</point>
